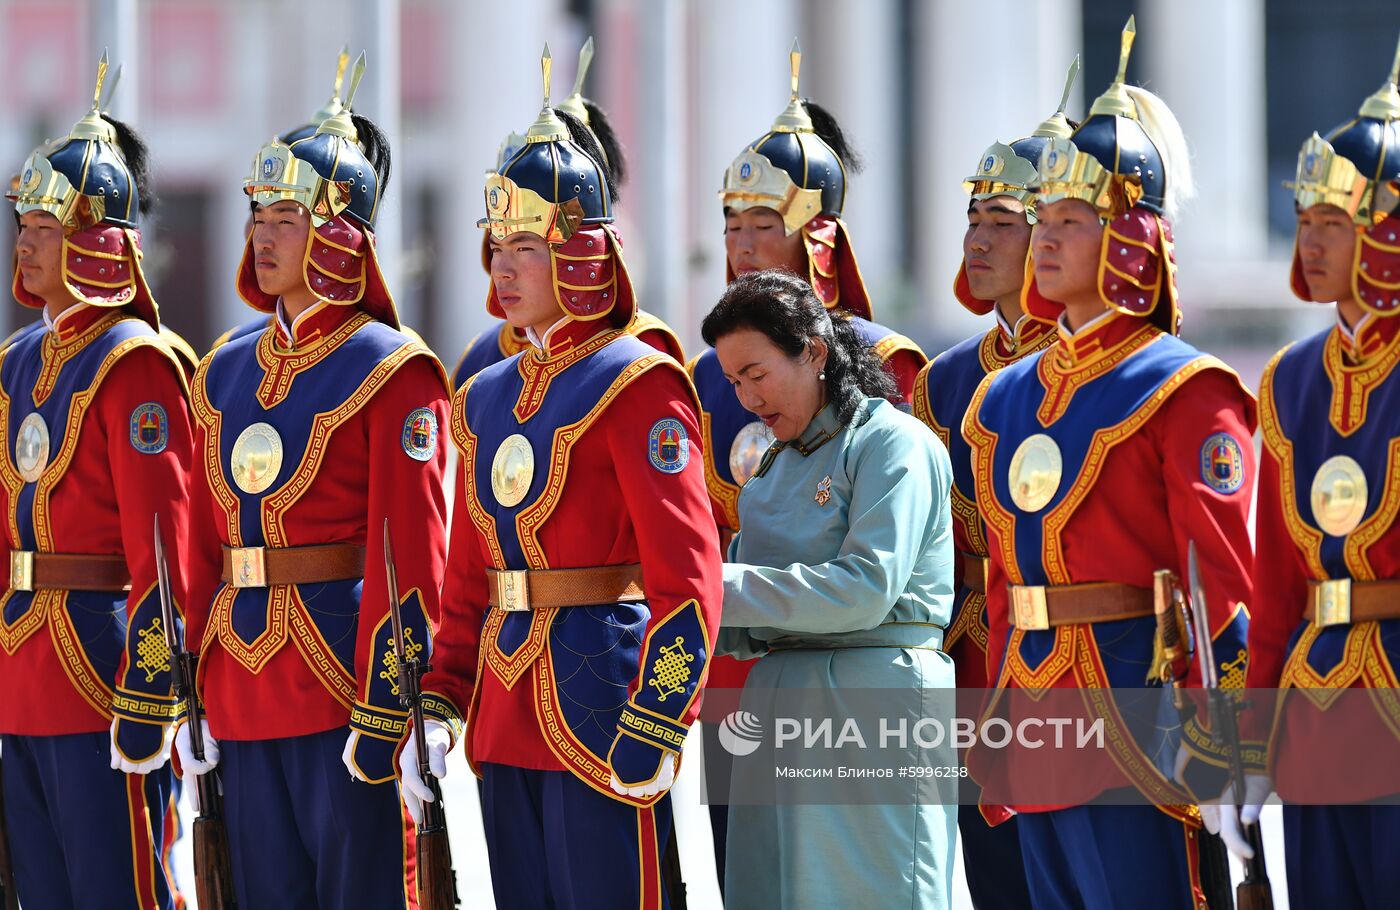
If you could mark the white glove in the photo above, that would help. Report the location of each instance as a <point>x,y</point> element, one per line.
<point>1225,820</point>
<point>665,777</point>
<point>188,763</point>
<point>126,766</point>
<point>412,788</point>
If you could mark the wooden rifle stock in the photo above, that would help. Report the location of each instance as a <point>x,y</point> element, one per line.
<point>213,870</point>
<point>437,880</point>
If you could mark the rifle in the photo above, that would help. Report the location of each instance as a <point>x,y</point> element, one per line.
<point>1255,892</point>
<point>9,899</point>
<point>437,880</point>
<point>213,872</point>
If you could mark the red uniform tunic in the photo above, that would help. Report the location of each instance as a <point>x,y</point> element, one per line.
<point>1142,421</point>
<point>1325,398</point>
<point>940,398</point>
<point>359,407</point>
<point>604,493</point>
<point>113,399</point>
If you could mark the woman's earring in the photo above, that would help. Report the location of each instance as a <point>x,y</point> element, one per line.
<point>822,375</point>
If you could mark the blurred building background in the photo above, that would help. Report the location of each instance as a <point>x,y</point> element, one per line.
<point>921,85</point>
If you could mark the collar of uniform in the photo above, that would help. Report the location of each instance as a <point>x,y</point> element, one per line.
<point>1099,337</point>
<point>1013,341</point>
<point>317,321</point>
<point>1371,336</point>
<point>565,335</point>
<point>819,432</point>
<point>73,321</point>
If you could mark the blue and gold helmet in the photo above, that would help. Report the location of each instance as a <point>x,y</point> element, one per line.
<point>82,179</point>
<point>327,172</point>
<point>1357,169</point>
<point>550,186</point>
<point>1128,161</point>
<point>557,187</point>
<point>789,169</point>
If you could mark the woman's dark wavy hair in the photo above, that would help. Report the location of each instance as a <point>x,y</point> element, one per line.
<point>581,136</point>
<point>785,308</point>
<point>829,131</point>
<point>138,161</point>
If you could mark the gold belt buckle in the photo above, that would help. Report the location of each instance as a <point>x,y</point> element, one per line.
<point>1333,599</point>
<point>22,570</point>
<point>249,567</point>
<point>512,590</point>
<point>1028,607</point>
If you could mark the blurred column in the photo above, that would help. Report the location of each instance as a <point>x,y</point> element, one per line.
<point>849,65</point>
<point>738,84</point>
<point>662,162</point>
<point>1216,90</point>
<point>114,28</point>
<point>495,89</point>
<point>376,29</point>
<point>981,73</point>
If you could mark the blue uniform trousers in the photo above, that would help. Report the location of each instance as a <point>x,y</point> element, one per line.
<point>1104,857</point>
<point>304,834</point>
<point>83,836</point>
<point>1341,856</point>
<point>555,842</point>
<point>992,861</point>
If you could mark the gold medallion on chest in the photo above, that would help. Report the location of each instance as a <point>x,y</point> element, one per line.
<point>257,458</point>
<point>512,470</point>
<point>1339,495</point>
<point>1036,470</point>
<point>32,447</point>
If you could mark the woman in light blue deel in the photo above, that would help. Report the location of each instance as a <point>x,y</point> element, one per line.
<point>840,581</point>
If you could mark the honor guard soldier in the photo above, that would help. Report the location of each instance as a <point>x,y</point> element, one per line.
<point>1096,462</point>
<point>98,440</point>
<point>782,198</point>
<point>996,259</point>
<point>309,436</point>
<point>503,340</point>
<point>1327,569</point>
<point>583,590</point>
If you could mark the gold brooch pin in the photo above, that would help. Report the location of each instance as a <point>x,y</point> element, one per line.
<point>823,491</point>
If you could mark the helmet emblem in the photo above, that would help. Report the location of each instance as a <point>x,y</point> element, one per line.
<point>745,171</point>
<point>990,163</point>
<point>1310,164</point>
<point>272,168</point>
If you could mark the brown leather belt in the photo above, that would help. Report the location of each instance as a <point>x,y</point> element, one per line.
<point>974,571</point>
<point>1044,607</point>
<point>1340,601</point>
<point>31,571</point>
<point>262,567</point>
<point>540,589</point>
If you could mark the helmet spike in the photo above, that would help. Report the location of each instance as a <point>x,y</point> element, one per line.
<point>795,64</point>
<point>1115,101</point>
<point>342,60</point>
<point>794,118</point>
<point>585,59</point>
<point>1385,103</point>
<point>547,126</point>
<point>1057,124</point>
<point>92,126</point>
<point>341,123</point>
<point>574,103</point>
<point>111,92</point>
<point>356,75</point>
<point>101,77</point>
